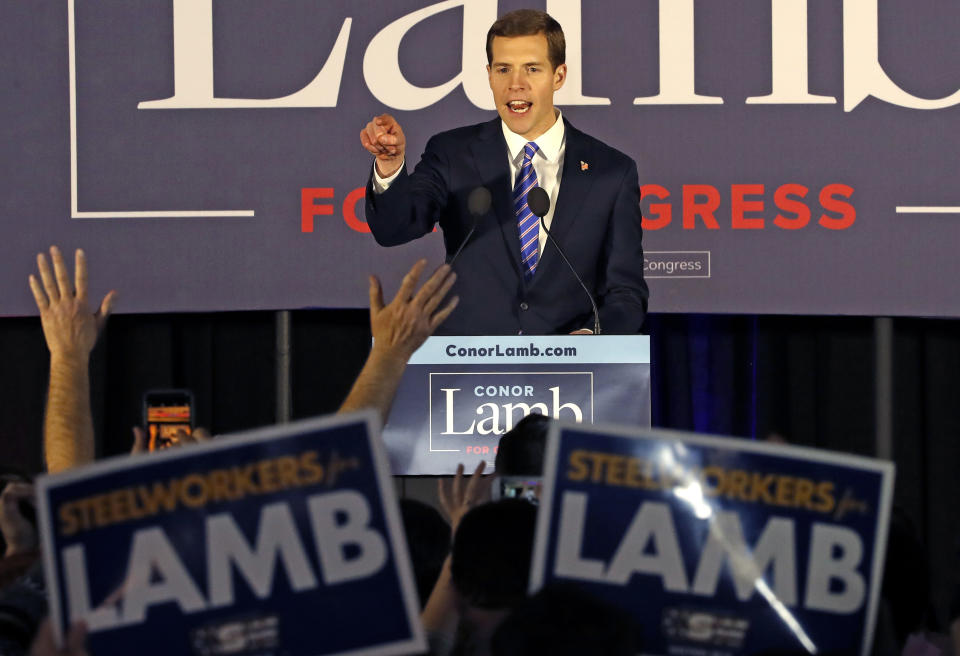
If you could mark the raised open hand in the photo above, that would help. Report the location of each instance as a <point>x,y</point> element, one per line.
<point>402,326</point>
<point>457,497</point>
<point>69,325</point>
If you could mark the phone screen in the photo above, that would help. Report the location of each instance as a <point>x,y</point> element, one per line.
<point>520,487</point>
<point>166,413</point>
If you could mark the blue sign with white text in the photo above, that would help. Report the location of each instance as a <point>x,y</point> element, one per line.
<point>717,546</point>
<point>460,394</point>
<point>274,541</point>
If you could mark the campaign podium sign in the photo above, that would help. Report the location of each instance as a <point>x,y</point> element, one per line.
<point>717,546</point>
<point>458,395</point>
<point>272,541</point>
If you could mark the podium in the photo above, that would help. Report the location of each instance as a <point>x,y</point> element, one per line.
<point>458,395</point>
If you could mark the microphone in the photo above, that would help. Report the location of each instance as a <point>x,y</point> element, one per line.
<point>478,204</point>
<point>539,203</point>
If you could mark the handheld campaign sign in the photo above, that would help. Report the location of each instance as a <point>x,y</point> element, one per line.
<point>717,546</point>
<point>274,541</point>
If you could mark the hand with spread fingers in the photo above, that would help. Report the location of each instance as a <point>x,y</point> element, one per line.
<point>401,327</point>
<point>69,326</point>
<point>441,615</point>
<point>457,497</point>
<point>71,329</point>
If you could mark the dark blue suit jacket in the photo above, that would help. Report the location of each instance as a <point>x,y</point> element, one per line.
<point>597,223</point>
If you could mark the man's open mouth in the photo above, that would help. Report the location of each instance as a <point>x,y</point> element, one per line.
<point>519,106</point>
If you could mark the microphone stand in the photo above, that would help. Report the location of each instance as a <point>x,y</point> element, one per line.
<point>593,303</point>
<point>478,204</point>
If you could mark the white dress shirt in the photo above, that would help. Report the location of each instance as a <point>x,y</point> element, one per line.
<point>548,163</point>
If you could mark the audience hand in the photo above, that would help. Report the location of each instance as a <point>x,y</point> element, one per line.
<point>142,445</point>
<point>456,499</point>
<point>383,138</point>
<point>19,534</point>
<point>69,326</point>
<point>45,645</point>
<point>401,327</point>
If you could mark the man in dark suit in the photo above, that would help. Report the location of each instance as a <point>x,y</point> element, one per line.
<point>511,279</point>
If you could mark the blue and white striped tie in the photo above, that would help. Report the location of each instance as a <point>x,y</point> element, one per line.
<point>527,222</point>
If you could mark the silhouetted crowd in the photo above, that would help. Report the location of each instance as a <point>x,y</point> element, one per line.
<point>471,557</point>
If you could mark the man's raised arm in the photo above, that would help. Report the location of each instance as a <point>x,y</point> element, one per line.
<point>71,330</point>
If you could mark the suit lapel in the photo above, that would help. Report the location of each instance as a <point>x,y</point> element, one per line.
<point>491,159</point>
<point>575,183</point>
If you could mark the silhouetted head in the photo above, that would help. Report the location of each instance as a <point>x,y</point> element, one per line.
<point>491,553</point>
<point>521,449</point>
<point>562,620</point>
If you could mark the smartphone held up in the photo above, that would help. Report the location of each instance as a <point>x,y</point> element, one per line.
<point>167,415</point>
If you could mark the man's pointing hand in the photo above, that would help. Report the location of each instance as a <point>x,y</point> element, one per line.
<point>383,138</point>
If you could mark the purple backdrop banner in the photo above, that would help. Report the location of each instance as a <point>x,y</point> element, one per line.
<point>796,156</point>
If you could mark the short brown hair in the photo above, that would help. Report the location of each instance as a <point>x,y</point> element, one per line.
<point>527,22</point>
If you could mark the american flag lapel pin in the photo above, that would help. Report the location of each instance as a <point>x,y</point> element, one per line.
<point>584,166</point>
